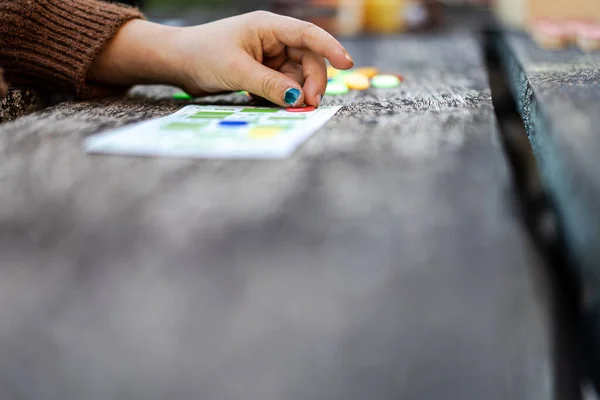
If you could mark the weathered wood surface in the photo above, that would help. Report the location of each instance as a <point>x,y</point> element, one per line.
<point>558,95</point>
<point>18,103</point>
<point>384,260</point>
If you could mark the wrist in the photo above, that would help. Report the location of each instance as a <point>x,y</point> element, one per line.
<point>141,52</point>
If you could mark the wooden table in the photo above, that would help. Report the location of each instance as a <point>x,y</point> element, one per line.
<point>558,95</point>
<point>384,260</point>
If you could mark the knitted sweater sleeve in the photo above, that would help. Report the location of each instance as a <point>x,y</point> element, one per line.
<point>51,44</point>
<point>3,86</point>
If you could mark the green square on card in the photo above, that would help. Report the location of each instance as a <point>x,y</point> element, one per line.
<point>260,110</point>
<point>298,118</point>
<point>211,115</point>
<point>183,126</point>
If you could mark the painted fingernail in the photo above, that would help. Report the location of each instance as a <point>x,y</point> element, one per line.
<point>319,98</point>
<point>291,96</point>
<point>348,57</point>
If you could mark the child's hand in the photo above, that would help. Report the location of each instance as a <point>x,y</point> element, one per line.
<point>278,58</point>
<point>275,57</point>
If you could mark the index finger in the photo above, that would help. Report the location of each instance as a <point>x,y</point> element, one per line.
<point>301,34</point>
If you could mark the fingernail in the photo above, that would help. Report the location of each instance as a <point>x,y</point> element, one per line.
<point>291,96</point>
<point>348,57</point>
<point>319,98</point>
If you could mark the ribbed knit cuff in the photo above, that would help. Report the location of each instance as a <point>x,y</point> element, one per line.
<point>3,87</point>
<point>53,43</point>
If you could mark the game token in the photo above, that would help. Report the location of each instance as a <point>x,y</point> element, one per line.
<point>336,89</point>
<point>300,109</point>
<point>369,72</point>
<point>181,96</point>
<point>341,75</point>
<point>357,81</point>
<point>332,72</point>
<point>385,81</point>
<point>233,124</point>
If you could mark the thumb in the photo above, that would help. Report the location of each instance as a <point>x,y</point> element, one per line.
<point>272,85</point>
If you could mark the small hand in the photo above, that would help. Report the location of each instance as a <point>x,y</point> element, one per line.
<point>278,58</point>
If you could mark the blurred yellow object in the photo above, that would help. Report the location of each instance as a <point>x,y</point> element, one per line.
<point>350,17</point>
<point>384,16</point>
<point>261,132</point>
<point>356,81</point>
<point>369,72</point>
<point>339,17</point>
<point>332,72</point>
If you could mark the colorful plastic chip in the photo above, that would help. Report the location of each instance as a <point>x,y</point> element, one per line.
<point>336,89</point>
<point>357,81</point>
<point>369,72</point>
<point>181,96</point>
<point>385,81</point>
<point>341,76</point>
<point>300,109</point>
<point>332,72</point>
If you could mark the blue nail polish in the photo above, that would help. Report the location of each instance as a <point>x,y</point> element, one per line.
<point>291,96</point>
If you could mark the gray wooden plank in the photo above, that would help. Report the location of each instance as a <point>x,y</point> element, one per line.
<point>558,95</point>
<point>384,260</point>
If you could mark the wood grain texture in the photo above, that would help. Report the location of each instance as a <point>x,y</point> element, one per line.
<point>558,96</point>
<point>18,103</point>
<point>384,260</point>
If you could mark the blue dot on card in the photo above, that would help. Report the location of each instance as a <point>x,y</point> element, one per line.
<point>233,124</point>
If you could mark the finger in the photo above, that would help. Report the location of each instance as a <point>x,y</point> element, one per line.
<point>272,85</point>
<point>314,69</point>
<point>294,71</point>
<point>276,62</point>
<point>301,34</point>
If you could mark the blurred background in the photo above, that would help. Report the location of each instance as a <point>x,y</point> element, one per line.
<point>340,17</point>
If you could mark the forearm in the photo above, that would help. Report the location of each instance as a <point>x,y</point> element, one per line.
<point>51,44</point>
<point>142,52</point>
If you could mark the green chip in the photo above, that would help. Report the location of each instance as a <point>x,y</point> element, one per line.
<point>336,89</point>
<point>182,96</point>
<point>341,76</point>
<point>385,81</point>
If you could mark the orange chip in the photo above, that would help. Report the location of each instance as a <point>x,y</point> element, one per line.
<point>369,72</point>
<point>357,81</point>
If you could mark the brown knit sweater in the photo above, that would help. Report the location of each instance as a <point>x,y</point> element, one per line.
<point>51,44</point>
